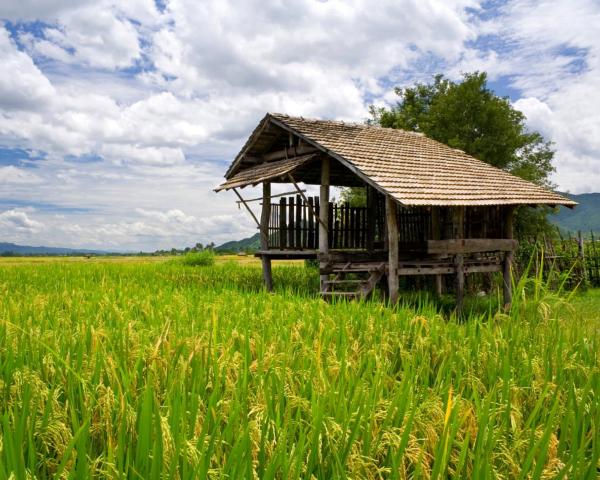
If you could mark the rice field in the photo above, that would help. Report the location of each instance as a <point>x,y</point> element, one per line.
<point>146,368</point>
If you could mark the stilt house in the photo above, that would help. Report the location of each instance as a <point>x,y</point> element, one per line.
<point>430,209</point>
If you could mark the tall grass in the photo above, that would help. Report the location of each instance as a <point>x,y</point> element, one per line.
<point>160,371</point>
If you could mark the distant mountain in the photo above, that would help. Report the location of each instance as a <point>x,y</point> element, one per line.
<point>250,244</point>
<point>584,217</point>
<point>11,248</point>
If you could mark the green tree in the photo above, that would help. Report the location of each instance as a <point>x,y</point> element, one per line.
<point>469,116</point>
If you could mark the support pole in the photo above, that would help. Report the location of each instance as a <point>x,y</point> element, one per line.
<point>508,257</point>
<point>324,220</point>
<point>437,235</point>
<point>265,216</point>
<point>391,214</point>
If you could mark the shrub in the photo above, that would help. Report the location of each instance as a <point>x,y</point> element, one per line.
<point>204,258</point>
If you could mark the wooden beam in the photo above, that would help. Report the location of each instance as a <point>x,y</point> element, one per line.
<point>272,196</point>
<point>324,218</point>
<point>289,152</point>
<point>247,207</point>
<point>265,216</point>
<point>391,213</point>
<point>470,245</point>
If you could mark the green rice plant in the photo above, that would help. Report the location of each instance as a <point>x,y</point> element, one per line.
<point>156,370</point>
<point>203,258</point>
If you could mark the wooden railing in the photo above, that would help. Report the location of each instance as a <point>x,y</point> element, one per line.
<point>293,225</point>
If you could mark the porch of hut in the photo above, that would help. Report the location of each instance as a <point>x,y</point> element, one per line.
<point>418,219</point>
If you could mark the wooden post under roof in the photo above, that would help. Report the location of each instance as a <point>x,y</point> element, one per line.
<point>324,218</point>
<point>436,235</point>
<point>508,257</point>
<point>265,215</point>
<point>391,213</point>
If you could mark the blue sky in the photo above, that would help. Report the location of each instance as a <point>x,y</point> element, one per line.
<point>118,118</point>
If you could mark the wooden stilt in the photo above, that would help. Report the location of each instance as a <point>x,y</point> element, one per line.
<point>392,228</point>
<point>324,219</point>
<point>508,258</point>
<point>264,235</point>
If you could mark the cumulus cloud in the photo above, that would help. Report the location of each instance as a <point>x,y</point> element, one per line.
<point>549,51</point>
<point>18,221</point>
<point>139,109</point>
<point>22,84</point>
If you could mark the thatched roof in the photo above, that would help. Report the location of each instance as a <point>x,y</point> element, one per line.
<point>413,169</point>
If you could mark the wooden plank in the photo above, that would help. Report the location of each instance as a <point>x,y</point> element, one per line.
<point>265,215</point>
<point>289,152</point>
<point>470,245</point>
<point>315,200</point>
<point>425,271</point>
<point>256,199</point>
<point>287,254</point>
<point>324,217</point>
<point>492,267</point>
<point>301,192</point>
<point>392,228</point>
<point>458,222</point>
<point>291,226</point>
<point>282,224</point>
<point>311,223</point>
<point>298,222</point>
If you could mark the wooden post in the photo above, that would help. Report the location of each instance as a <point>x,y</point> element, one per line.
<point>324,219</point>
<point>391,213</point>
<point>436,234</point>
<point>311,224</point>
<point>282,224</point>
<point>265,215</point>
<point>291,226</point>
<point>508,257</point>
<point>298,222</point>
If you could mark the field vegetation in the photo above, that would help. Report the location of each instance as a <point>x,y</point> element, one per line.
<point>155,369</point>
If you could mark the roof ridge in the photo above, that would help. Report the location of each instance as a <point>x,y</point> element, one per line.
<point>343,123</point>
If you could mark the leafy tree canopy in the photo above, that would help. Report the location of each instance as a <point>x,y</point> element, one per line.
<point>469,116</point>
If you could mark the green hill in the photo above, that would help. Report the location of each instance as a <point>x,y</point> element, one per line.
<point>584,217</point>
<point>250,244</point>
<point>14,249</point>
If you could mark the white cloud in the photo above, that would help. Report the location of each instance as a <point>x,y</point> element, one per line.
<point>15,175</point>
<point>16,220</point>
<point>131,157</point>
<point>22,85</point>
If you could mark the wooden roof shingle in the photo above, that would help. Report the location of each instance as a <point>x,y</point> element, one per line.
<point>412,168</point>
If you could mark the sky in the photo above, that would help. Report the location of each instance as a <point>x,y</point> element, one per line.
<point>117,119</point>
